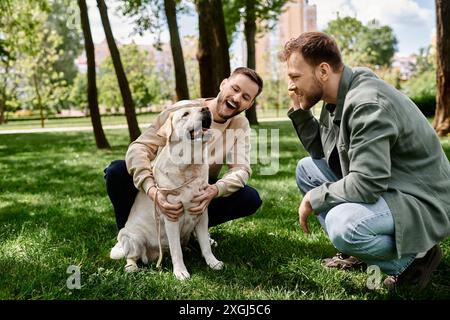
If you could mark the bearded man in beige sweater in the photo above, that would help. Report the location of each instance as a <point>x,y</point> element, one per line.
<point>227,197</point>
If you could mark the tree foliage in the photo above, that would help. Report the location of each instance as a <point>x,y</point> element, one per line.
<point>147,83</point>
<point>148,16</point>
<point>265,12</point>
<point>32,51</point>
<point>371,45</point>
<point>63,18</point>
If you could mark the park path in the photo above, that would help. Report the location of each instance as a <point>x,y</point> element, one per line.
<point>105,127</point>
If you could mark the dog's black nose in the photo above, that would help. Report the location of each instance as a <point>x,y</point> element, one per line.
<point>206,118</point>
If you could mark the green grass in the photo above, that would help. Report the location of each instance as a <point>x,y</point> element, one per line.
<point>143,118</point>
<point>54,212</point>
<point>73,122</point>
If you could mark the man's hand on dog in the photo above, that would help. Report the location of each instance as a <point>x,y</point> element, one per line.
<point>203,198</point>
<point>172,211</point>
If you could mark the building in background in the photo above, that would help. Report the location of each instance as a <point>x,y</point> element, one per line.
<point>298,16</point>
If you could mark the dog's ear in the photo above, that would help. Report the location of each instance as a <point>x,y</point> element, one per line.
<point>166,129</point>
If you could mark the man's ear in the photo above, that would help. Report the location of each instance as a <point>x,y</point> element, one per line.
<point>222,84</point>
<point>324,71</point>
<point>166,129</point>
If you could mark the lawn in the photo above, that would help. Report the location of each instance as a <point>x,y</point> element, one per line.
<point>107,120</point>
<point>54,213</point>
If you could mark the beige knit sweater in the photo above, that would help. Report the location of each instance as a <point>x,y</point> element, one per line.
<point>230,145</point>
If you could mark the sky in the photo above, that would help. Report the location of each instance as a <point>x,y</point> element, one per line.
<point>413,21</point>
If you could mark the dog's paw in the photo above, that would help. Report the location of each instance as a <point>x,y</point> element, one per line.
<point>129,268</point>
<point>181,274</point>
<point>215,264</point>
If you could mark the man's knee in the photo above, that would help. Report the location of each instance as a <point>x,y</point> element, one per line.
<point>116,170</point>
<point>301,172</point>
<point>251,199</point>
<point>340,223</point>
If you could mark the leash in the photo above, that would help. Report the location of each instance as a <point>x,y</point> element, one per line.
<point>158,214</point>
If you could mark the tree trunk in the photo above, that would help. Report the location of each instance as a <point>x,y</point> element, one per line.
<point>223,55</point>
<point>250,35</point>
<point>39,99</point>
<point>212,55</point>
<point>3,94</point>
<point>99,134</point>
<point>3,104</point>
<point>2,112</point>
<point>442,117</point>
<point>125,91</point>
<point>181,86</point>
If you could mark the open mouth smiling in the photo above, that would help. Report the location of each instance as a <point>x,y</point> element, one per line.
<point>231,105</point>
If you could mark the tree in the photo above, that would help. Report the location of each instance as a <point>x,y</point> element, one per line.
<point>146,81</point>
<point>125,91</point>
<point>41,86</point>
<point>29,51</point>
<point>78,93</point>
<point>150,20</point>
<point>441,121</point>
<point>181,86</point>
<point>253,12</point>
<point>62,19</point>
<point>212,55</point>
<point>373,45</point>
<point>100,138</point>
<point>7,87</point>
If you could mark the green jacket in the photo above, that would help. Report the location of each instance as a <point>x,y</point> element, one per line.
<point>386,148</point>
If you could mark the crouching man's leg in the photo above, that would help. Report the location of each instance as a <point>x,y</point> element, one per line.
<point>367,231</point>
<point>121,190</point>
<point>242,203</point>
<point>312,173</point>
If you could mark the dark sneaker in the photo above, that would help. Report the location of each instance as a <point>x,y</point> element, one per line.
<point>419,272</point>
<point>343,261</point>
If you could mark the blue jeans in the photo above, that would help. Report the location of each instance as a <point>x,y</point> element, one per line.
<point>365,231</point>
<point>122,192</point>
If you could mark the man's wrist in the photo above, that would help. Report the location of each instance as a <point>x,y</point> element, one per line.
<point>216,190</point>
<point>152,192</point>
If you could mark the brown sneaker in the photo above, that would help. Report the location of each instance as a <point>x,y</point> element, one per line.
<point>343,261</point>
<point>419,272</point>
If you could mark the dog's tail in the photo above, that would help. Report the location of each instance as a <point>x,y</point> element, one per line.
<point>128,247</point>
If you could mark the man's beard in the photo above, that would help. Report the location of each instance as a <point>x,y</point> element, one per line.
<point>311,98</point>
<point>221,104</point>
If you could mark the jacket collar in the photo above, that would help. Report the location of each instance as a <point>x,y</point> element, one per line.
<point>344,84</point>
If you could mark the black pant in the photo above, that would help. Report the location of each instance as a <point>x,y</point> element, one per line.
<point>122,192</point>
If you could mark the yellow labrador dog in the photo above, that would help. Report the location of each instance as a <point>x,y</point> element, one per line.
<point>180,166</point>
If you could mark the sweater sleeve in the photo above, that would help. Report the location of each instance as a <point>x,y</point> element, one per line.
<point>237,159</point>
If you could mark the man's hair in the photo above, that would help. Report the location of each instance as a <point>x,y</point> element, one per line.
<point>250,73</point>
<point>315,47</point>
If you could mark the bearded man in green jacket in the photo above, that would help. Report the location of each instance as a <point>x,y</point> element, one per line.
<point>377,178</point>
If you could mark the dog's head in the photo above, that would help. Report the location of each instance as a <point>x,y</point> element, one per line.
<point>191,123</point>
